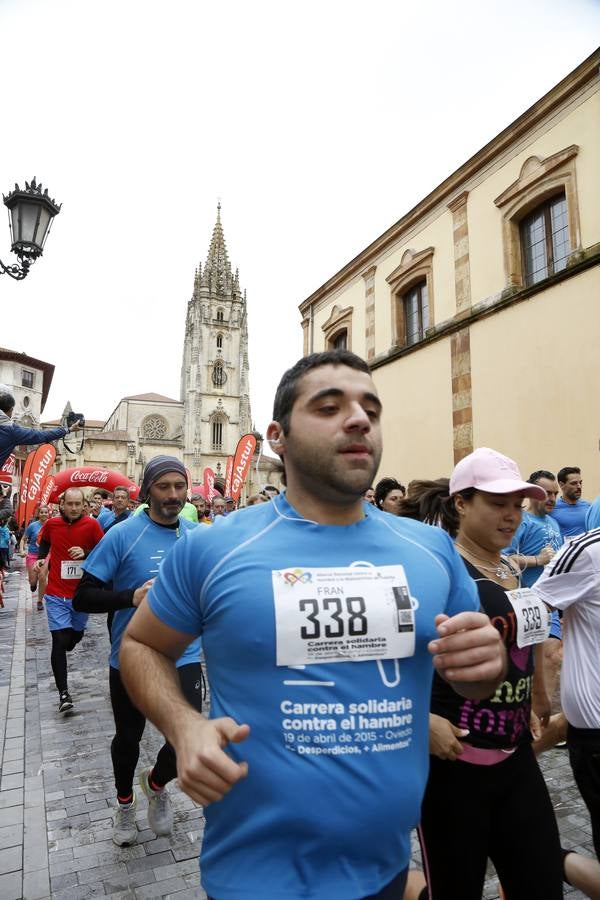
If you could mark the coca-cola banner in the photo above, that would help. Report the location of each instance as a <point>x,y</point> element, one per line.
<point>209,485</point>
<point>88,476</point>
<point>8,470</point>
<point>36,471</point>
<point>228,474</point>
<point>241,463</point>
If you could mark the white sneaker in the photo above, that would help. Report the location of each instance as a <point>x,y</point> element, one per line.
<point>160,811</point>
<point>124,827</point>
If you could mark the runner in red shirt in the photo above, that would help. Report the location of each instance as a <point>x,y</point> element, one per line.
<point>71,537</point>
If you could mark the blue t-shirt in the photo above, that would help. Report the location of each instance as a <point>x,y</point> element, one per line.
<point>4,537</point>
<point>128,556</point>
<point>338,752</point>
<point>592,519</point>
<point>570,517</point>
<point>105,517</point>
<point>534,533</point>
<point>31,533</point>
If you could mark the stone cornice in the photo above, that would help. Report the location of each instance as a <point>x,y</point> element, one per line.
<point>584,74</point>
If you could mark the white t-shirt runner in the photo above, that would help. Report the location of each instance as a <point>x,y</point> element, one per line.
<point>572,583</point>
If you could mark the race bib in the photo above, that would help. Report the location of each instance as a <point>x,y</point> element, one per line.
<point>533,617</point>
<point>329,615</point>
<point>69,570</point>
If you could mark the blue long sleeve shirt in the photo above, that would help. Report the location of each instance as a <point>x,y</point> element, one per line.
<point>13,435</point>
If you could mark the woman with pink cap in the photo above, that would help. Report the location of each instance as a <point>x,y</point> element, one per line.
<point>486,797</point>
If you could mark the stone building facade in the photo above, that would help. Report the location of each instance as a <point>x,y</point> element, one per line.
<point>478,310</point>
<point>203,427</point>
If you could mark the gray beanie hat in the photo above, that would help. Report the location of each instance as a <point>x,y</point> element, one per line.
<point>158,466</point>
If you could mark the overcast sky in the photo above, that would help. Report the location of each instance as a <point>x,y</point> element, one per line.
<point>305,119</point>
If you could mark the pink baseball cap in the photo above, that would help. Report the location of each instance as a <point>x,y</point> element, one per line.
<point>488,470</point>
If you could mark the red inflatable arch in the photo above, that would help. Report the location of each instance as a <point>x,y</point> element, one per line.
<point>88,476</point>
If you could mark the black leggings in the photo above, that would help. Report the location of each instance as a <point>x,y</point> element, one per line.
<point>63,641</point>
<point>584,756</point>
<point>503,812</point>
<point>130,724</point>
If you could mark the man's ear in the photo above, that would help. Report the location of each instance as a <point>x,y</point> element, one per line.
<point>276,437</point>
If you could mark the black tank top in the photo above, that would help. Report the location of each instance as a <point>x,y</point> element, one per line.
<point>502,721</point>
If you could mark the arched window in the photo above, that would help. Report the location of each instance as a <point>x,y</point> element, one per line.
<point>540,218</point>
<point>154,427</point>
<point>220,317</point>
<point>217,429</point>
<point>340,340</point>
<point>219,342</point>
<point>219,375</point>
<point>411,290</point>
<point>415,311</point>
<point>545,243</point>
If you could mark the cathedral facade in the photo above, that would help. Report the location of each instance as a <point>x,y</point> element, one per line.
<point>203,426</point>
<point>214,370</point>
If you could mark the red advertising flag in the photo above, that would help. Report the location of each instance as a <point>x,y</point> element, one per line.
<point>8,470</point>
<point>189,481</point>
<point>37,468</point>
<point>241,463</point>
<point>209,484</point>
<point>228,474</point>
<point>47,490</point>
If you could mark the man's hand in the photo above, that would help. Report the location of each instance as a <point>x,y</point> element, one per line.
<point>76,552</point>
<point>443,738</point>
<point>75,426</point>
<point>39,564</point>
<point>140,593</point>
<point>545,555</point>
<point>468,651</point>
<point>206,773</point>
<point>22,553</point>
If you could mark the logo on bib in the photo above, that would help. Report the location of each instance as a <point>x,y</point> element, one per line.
<point>298,576</point>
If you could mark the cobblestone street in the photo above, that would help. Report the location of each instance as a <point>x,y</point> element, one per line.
<point>56,789</point>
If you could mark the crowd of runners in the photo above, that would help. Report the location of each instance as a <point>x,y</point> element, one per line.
<point>380,658</point>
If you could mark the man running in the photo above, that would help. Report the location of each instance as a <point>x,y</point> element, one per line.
<point>316,612</point>
<point>120,508</point>
<point>117,577</point>
<point>30,536</point>
<point>570,510</point>
<point>70,537</point>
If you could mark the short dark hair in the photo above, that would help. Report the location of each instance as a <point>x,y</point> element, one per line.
<point>287,389</point>
<point>121,487</point>
<point>535,477</point>
<point>564,473</point>
<point>7,403</point>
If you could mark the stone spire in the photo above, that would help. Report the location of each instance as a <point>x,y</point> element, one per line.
<point>217,270</point>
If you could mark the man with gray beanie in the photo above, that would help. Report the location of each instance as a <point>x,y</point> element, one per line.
<point>12,435</point>
<point>115,580</point>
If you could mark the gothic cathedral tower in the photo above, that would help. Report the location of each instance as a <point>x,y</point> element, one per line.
<point>214,371</point>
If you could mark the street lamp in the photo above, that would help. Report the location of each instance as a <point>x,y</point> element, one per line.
<point>30,214</point>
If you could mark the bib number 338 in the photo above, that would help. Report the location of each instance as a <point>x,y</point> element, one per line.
<point>342,614</point>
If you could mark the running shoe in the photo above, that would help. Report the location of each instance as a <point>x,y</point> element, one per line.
<point>65,702</point>
<point>160,810</point>
<point>124,827</point>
